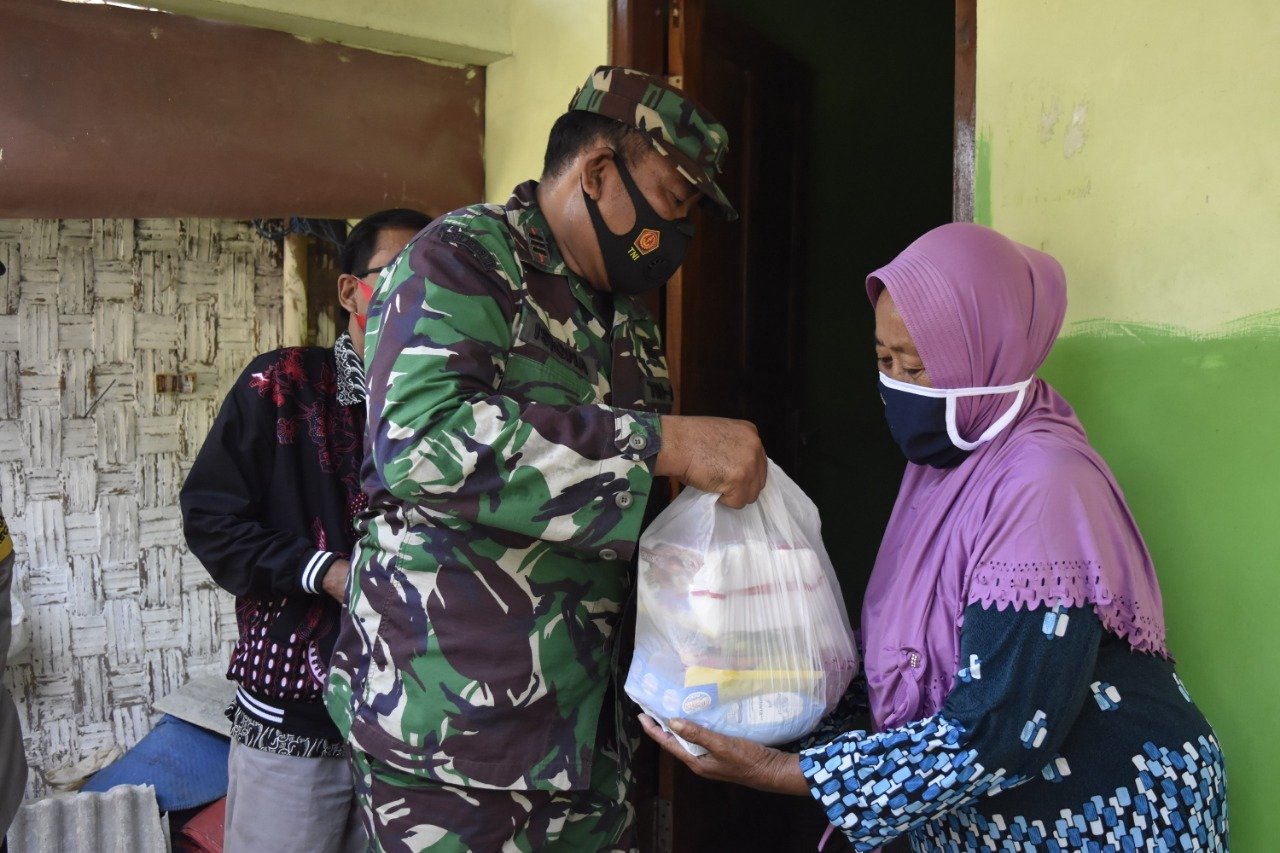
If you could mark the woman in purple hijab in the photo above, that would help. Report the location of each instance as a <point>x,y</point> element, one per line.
<point>1020,688</point>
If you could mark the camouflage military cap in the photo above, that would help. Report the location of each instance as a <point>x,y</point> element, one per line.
<point>680,130</point>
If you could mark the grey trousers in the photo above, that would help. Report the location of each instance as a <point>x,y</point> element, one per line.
<point>280,804</point>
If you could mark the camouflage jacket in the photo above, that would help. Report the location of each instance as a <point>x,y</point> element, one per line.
<point>512,432</point>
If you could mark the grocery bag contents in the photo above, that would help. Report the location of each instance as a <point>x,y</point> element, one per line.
<point>784,581</point>
<point>740,624</point>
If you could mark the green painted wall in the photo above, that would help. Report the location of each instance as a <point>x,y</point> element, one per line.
<point>1136,143</point>
<point>1188,424</point>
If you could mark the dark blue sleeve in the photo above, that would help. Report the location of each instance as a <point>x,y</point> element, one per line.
<point>1022,679</point>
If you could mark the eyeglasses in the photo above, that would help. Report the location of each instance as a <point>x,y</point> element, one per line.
<point>369,271</point>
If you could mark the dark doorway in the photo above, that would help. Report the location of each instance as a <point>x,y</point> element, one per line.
<point>872,152</point>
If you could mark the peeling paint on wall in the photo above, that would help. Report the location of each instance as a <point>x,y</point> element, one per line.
<point>1073,139</point>
<point>1049,119</point>
<point>92,457</point>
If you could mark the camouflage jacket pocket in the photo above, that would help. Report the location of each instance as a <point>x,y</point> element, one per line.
<point>528,378</point>
<point>545,369</point>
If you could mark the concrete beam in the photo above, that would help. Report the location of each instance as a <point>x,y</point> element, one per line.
<point>469,32</point>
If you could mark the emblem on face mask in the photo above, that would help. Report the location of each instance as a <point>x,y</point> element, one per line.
<point>646,242</point>
<point>662,243</point>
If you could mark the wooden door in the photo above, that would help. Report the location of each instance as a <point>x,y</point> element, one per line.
<point>732,335</point>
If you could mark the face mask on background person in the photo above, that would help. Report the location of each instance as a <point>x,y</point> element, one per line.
<point>645,257</point>
<point>366,290</point>
<point>923,420</point>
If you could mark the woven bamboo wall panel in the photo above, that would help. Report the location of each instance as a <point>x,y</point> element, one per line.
<point>92,457</point>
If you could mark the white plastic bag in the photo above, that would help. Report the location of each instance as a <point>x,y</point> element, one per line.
<point>740,625</point>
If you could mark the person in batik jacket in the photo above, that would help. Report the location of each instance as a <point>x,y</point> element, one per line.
<point>268,509</point>
<point>1021,690</point>
<point>516,425</point>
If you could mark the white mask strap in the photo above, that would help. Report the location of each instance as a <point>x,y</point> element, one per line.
<point>953,394</point>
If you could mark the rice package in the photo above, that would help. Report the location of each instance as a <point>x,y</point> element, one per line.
<point>740,625</point>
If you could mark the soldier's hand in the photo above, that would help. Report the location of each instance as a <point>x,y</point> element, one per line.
<point>335,579</point>
<point>717,455</point>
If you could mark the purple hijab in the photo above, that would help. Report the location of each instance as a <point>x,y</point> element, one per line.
<point>1031,518</point>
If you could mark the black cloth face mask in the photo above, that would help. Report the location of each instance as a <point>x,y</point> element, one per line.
<point>923,420</point>
<point>919,426</point>
<point>645,257</point>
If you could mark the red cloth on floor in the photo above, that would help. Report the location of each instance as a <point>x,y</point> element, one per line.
<point>203,833</point>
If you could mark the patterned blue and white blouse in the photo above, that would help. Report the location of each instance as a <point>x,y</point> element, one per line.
<point>1056,736</point>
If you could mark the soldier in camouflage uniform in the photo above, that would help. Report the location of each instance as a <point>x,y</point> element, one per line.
<point>516,425</point>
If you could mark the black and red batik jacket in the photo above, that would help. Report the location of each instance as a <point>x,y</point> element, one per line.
<point>267,508</point>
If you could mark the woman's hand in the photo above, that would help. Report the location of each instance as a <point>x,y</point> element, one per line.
<point>731,759</point>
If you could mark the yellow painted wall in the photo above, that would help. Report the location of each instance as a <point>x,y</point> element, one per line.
<point>555,46</point>
<point>1137,142</point>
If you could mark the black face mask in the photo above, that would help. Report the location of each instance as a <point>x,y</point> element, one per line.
<point>648,255</point>
<point>919,425</point>
<point>923,420</point>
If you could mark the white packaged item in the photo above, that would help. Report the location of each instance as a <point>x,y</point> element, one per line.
<point>740,625</point>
